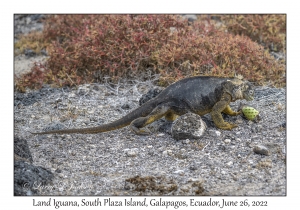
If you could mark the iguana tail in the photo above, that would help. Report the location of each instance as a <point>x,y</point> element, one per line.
<point>142,111</point>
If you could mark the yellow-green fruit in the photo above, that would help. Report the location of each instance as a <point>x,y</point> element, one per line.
<point>249,112</point>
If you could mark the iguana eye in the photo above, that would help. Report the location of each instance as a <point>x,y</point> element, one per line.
<point>251,92</point>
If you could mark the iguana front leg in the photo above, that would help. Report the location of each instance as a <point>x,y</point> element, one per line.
<point>222,106</point>
<point>230,112</point>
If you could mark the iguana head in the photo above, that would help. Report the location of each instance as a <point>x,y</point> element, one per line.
<point>241,90</point>
<point>248,92</point>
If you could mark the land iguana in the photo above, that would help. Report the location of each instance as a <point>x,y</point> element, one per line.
<point>200,95</point>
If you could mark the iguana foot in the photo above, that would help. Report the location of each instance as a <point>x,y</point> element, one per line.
<point>230,112</point>
<point>237,113</point>
<point>144,131</point>
<point>138,125</point>
<point>227,126</point>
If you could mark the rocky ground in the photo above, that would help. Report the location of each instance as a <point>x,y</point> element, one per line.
<point>219,163</point>
<point>122,163</point>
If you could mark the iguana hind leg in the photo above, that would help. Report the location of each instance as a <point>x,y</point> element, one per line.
<point>222,106</point>
<point>141,122</point>
<point>171,116</point>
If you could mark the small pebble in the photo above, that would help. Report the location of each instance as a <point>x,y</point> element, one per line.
<point>131,152</point>
<point>165,153</point>
<point>125,106</point>
<point>218,133</point>
<point>193,167</point>
<point>58,171</point>
<point>180,172</point>
<point>73,95</point>
<point>169,152</point>
<point>262,150</point>
<point>29,53</point>
<point>227,141</point>
<point>195,179</point>
<point>58,100</point>
<point>229,163</point>
<point>91,111</point>
<point>186,141</point>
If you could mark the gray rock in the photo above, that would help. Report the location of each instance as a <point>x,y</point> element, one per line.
<point>188,126</point>
<point>160,125</point>
<point>27,177</point>
<point>29,53</point>
<point>24,24</point>
<point>21,149</point>
<point>125,106</point>
<point>278,56</point>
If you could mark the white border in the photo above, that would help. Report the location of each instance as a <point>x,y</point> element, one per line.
<point>152,6</point>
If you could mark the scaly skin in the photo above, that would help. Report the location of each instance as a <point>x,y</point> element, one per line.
<point>200,95</point>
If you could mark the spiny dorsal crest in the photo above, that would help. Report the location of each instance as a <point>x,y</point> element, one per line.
<point>239,76</point>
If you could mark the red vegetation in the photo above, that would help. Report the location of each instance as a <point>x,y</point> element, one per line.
<point>86,48</point>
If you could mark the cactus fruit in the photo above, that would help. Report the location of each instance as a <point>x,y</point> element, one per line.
<point>249,112</point>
